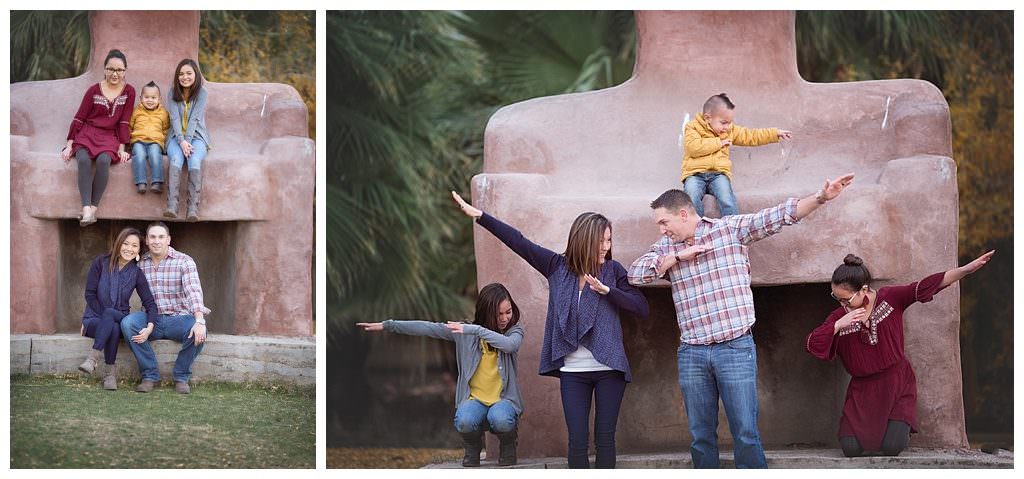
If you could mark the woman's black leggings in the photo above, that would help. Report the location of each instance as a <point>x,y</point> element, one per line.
<point>92,180</point>
<point>897,435</point>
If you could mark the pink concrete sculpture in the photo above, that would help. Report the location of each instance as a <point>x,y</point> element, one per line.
<point>613,151</point>
<point>254,246</point>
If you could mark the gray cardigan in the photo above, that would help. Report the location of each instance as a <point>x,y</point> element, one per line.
<point>196,118</point>
<point>468,353</point>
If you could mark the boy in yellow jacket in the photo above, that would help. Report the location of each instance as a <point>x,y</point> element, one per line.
<point>706,142</point>
<point>149,125</point>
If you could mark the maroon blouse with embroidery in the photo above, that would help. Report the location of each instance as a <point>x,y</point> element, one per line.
<point>883,385</point>
<point>101,126</point>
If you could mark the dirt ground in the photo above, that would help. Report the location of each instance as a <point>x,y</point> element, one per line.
<point>388,458</point>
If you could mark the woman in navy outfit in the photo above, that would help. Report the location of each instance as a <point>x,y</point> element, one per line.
<point>112,279</point>
<point>588,291</point>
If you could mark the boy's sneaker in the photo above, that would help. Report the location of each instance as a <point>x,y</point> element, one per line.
<point>141,188</point>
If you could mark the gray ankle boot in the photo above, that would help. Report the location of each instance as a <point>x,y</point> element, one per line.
<point>110,378</point>
<point>89,365</point>
<point>173,188</point>
<point>195,187</point>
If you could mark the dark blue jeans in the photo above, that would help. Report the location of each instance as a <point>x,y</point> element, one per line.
<point>606,388</point>
<point>727,370</point>
<point>718,185</point>
<point>106,333</point>
<point>175,328</point>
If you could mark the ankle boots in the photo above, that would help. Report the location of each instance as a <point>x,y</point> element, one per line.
<point>473,442</point>
<point>507,447</point>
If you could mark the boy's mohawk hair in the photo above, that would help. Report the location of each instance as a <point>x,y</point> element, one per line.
<point>718,101</point>
<point>151,84</point>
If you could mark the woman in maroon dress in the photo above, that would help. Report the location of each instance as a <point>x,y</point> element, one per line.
<point>866,332</point>
<point>99,132</point>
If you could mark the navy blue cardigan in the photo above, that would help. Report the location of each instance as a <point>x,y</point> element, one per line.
<point>131,278</point>
<point>596,325</point>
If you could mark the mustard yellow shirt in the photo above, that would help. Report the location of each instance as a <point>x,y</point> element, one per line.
<point>485,385</point>
<point>149,126</point>
<point>184,120</point>
<point>703,151</point>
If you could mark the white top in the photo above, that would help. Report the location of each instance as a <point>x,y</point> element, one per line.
<point>582,360</point>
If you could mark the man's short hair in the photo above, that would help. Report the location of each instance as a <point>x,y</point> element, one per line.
<point>718,101</point>
<point>156,224</point>
<point>673,200</point>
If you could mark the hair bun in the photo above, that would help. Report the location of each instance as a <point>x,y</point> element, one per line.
<point>853,260</point>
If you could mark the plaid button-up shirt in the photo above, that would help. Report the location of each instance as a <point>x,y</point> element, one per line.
<point>711,293</point>
<point>174,283</point>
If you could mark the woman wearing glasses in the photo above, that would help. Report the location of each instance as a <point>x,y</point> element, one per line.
<point>99,133</point>
<point>866,332</point>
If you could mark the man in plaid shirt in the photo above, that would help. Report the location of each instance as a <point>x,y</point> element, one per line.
<point>707,264</point>
<point>174,280</point>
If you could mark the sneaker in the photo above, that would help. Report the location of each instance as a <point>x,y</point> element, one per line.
<point>145,386</point>
<point>141,188</point>
<point>157,187</point>
<point>181,387</point>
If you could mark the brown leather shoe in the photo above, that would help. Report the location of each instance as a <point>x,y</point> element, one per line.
<point>181,387</point>
<point>145,386</point>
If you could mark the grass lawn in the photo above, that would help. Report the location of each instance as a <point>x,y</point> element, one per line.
<point>71,422</point>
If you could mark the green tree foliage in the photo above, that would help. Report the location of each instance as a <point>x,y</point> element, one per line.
<point>46,45</point>
<point>261,47</point>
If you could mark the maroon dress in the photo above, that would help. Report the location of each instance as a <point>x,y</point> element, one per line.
<point>882,386</point>
<point>101,126</point>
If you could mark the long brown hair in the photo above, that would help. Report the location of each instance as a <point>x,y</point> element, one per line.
<point>585,237</point>
<point>178,93</point>
<point>488,306</point>
<point>115,247</point>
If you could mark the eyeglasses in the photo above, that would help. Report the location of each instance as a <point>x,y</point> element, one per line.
<point>844,301</point>
<point>115,71</point>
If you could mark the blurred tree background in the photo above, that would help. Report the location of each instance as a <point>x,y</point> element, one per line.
<point>408,98</point>
<point>234,47</point>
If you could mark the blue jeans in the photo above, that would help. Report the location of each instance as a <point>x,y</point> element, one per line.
<point>607,388</point>
<point>473,416</point>
<point>718,185</point>
<point>175,328</point>
<point>728,370</point>
<point>143,155</point>
<point>177,157</point>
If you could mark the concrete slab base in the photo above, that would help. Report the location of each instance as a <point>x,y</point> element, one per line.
<point>912,458</point>
<point>224,358</point>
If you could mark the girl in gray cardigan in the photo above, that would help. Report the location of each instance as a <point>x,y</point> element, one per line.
<point>187,138</point>
<point>487,394</point>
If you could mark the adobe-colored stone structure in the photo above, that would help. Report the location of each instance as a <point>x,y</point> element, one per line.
<point>613,151</point>
<point>254,245</point>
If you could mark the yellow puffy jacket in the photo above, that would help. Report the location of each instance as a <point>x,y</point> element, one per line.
<point>703,151</point>
<point>150,126</point>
